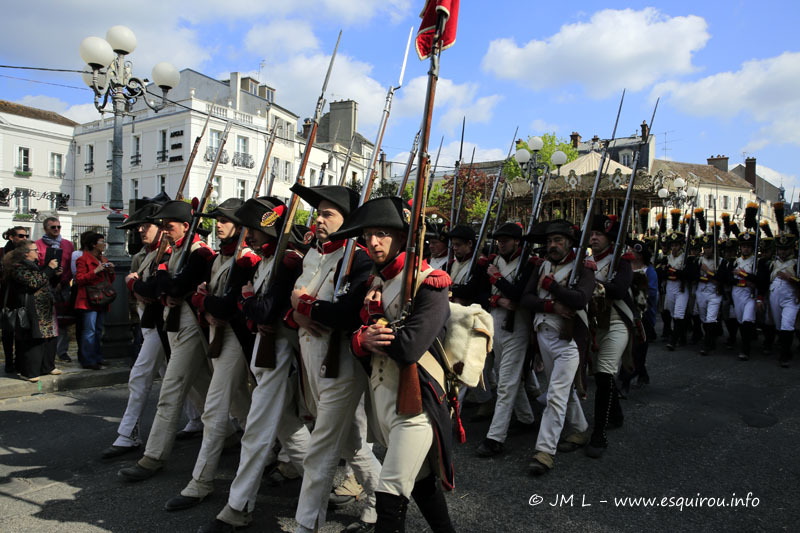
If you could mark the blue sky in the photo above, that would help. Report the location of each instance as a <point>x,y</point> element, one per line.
<point>728,72</point>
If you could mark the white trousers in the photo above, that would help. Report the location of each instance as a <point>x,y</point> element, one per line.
<point>188,367</point>
<point>273,413</point>
<point>335,436</point>
<point>611,344</point>
<point>509,354</point>
<point>228,392</point>
<point>783,305</point>
<point>561,359</point>
<point>708,302</point>
<point>407,440</point>
<point>675,300</point>
<point>140,380</point>
<point>744,304</point>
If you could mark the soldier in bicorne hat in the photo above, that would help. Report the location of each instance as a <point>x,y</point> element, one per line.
<point>418,445</point>
<point>562,330</point>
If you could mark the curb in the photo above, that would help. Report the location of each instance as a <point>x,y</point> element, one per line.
<point>13,387</point>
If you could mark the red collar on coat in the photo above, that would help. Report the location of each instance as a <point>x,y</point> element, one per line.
<point>330,246</point>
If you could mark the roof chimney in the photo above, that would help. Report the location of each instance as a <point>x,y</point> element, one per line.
<point>720,162</point>
<point>750,170</point>
<point>575,137</point>
<point>645,132</point>
<point>306,128</point>
<point>235,84</point>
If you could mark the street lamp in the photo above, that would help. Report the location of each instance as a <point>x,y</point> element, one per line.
<point>111,76</point>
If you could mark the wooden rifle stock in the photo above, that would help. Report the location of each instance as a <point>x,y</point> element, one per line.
<point>265,353</point>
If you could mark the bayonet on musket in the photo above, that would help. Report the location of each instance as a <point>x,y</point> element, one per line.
<point>407,172</point>
<point>465,186</point>
<point>433,174</point>
<point>456,172</point>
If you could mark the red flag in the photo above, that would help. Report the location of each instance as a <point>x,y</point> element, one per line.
<point>427,30</point>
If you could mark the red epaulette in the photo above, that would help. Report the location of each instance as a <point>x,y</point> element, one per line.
<point>535,260</point>
<point>162,267</point>
<point>205,252</point>
<point>628,256</point>
<point>248,260</point>
<point>291,260</point>
<point>590,264</point>
<point>370,279</point>
<point>438,279</point>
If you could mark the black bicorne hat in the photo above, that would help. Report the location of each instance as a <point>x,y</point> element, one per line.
<point>559,226</point>
<point>342,197</point>
<point>174,210</point>
<point>464,233</point>
<point>388,212</point>
<point>509,229</point>
<point>436,231</point>
<point>607,225</point>
<point>140,216</point>
<point>227,209</point>
<point>265,213</point>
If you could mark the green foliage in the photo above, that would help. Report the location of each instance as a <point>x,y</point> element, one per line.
<point>477,210</point>
<point>301,217</point>
<point>382,188</point>
<point>551,144</point>
<point>205,222</point>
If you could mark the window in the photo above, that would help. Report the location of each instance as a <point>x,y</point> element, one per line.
<point>710,201</point>
<point>56,165</point>
<point>88,195</point>
<point>214,139</point>
<point>242,145</point>
<point>726,202</point>
<point>626,160</point>
<point>135,189</point>
<point>109,155</point>
<point>108,192</point>
<point>740,203</point>
<point>54,200</point>
<point>136,145</point>
<point>287,170</point>
<point>162,183</point>
<point>312,178</point>
<point>24,159</point>
<point>22,200</point>
<point>163,151</point>
<point>241,187</point>
<point>276,168</point>
<point>88,161</point>
<point>330,179</point>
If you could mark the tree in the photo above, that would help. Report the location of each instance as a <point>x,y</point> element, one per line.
<point>478,186</point>
<point>301,217</point>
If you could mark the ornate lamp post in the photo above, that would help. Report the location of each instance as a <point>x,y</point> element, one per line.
<point>528,161</point>
<point>111,77</point>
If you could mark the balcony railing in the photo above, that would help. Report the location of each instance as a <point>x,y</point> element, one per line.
<point>211,154</point>
<point>88,167</point>
<point>109,164</point>
<point>136,160</point>
<point>245,160</point>
<point>162,156</point>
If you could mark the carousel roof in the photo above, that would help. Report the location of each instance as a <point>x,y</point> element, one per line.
<point>589,163</point>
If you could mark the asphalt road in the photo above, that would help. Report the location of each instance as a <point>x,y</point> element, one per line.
<point>706,427</point>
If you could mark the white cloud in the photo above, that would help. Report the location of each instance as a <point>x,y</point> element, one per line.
<point>80,113</point>
<point>450,154</point>
<point>279,37</point>
<point>615,49</point>
<point>540,126</point>
<point>763,90</point>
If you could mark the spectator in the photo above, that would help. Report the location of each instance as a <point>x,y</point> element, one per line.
<point>29,287</point>
<point>92,268</point>
<point>52,239</point>
<point>14,236</point>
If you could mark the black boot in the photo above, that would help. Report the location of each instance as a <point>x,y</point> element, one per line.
<point>667,319</point>
<point>707,339</point>
<point>697,329</point>
<point>673,338</point>
<point>769,338</point>
<point>602,409</point>
<point>748,330</point>
<point>430,500</point>
<point>733,326</point>
<point>391,511</point>
<point>615,416</point>
<point>683,326</point>
<point>785,339</point>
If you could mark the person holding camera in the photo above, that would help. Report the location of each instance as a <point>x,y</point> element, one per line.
<point>93,275</point>
<point>61,249</point>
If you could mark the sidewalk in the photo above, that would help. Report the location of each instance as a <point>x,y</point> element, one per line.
<point>73,377</point>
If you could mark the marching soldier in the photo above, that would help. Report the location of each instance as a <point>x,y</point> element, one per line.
<point>784,283</point>
<point>676,297</point>
<point>273,406</point>
<point>151,353</point>
<point>561,327</point>
<point>744,286</point>
<point>187,365</point>
<point>615,316</point>
<point>709,294</point>
<point>511,333</point>
<point>418,445</point>
<point>437,244</point>
<point>645,294</point>
<point>464,289</point>
<point>228,391</point>
<point>337,383</point>
<point>766,255</point>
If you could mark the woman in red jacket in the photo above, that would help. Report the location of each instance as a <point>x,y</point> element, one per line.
<point>92,268</point>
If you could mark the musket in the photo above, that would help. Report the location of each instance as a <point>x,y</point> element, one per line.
<point>433,174</point>
<point>453,220</point>
<point>626,207</point>
<point>172,322</point>
<point>409,394</point>
<point>497,217</point>
<point>215,346</point>
<point>327,164</point>
<point>283,238</point>
<point>482,234</point>
<point>587,220</point>
<point>465,186</point>
<point>407,173</point>
<point>331,361</point>
<point>346,165</point>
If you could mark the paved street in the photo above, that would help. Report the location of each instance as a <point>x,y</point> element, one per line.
<point>705,427</point>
